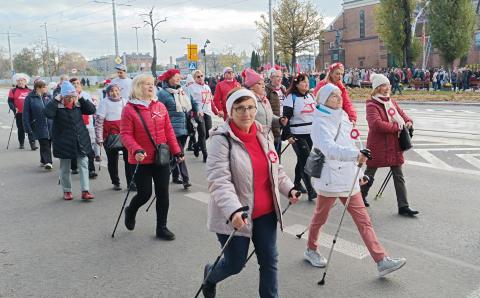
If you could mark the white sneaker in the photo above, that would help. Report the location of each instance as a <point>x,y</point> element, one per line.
<point>48,166</point>
<point>315,258</point>
<point>388,265</point>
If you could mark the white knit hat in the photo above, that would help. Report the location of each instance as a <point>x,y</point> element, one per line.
<point>19,76</point>
<point>324,93</point>
<point>378,80</point>
<point>236,95</point>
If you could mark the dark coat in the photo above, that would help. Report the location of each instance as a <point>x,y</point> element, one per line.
<point>70,138</point>
<point>383,136</point>
<point>272,96</point>
<point>34,118</point>
<point>178,119</point>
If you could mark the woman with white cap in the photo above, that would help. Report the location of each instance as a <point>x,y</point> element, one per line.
<point>385,122</point>
<point>332,135</point>
<point>16,99</point>
<point>244,175</point>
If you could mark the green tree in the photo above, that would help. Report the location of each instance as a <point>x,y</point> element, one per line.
<point>231,60</point>
<point>394,19</point>
<point>297,25</point>
<point>253,60</point>
<point>26,61</point>
<point>451,27</point>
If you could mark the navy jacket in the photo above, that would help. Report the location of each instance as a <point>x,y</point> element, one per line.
<point>34,119</point>
<point>178,119</point>
<point>70,138</point>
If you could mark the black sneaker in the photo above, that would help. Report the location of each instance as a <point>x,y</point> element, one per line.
<point>129,219</point>
<point>165,234</point>
<point>187,185</point>
<point>177,181</point>
<point>74,172</point>
<point>117,187</point>
<point>366,202</point>
<point>196,150</point>
<point>21,146</point>
<point>300,187</point>
<point>33,146</point>
<point>205,156</point>
<point>209,290</point>
<point>406,211</point>
<point>92,175</point>
<point>312,195</point>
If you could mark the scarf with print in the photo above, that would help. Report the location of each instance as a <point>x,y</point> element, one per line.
<point>392,113</point>
<point>182,103</point>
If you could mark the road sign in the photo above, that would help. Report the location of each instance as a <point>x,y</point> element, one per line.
<point>118,60</point>
<point>192,65</point>
<point>192,52</point>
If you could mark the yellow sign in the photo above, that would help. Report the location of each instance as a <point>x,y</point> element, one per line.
<point>192,52</point>
<point>118,60</point>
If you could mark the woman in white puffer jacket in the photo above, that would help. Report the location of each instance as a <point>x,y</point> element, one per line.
<point>332,135</point>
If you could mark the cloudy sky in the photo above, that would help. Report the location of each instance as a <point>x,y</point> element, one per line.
<point>86,26</point>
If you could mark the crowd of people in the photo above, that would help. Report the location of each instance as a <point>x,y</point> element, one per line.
<point>151,122</point>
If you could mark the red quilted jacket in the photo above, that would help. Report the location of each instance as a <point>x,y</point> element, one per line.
<point>347,104</point>
<point>383,136</point>
<point>133,134</point>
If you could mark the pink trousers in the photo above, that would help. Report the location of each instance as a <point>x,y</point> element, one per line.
<point>360,216</point>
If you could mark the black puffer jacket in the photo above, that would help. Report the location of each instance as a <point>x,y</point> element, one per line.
<point>70,138</point>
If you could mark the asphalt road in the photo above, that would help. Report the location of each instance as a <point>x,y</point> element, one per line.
<point>53,248</point>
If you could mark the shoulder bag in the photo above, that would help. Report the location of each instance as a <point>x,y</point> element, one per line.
<point>316,160</point>
<point>162,151</point>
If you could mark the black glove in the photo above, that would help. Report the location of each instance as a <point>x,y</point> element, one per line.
<point>367,153</point>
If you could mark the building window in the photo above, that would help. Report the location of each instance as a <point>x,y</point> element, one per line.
<point>362,24</point>
<point>477,39</point>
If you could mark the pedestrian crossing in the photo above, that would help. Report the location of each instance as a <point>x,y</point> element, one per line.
<point>343,246</point>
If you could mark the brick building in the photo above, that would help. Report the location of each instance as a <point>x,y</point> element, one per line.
<point>353,40</point>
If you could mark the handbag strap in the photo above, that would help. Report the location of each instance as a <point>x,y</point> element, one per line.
<point>317,151</point>
<point>145,126</point>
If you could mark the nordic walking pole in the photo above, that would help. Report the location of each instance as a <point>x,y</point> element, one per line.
<point>125,201</point>
<point>244,216</point>
<point>384,185</point>
<point>11,129</point>
<point>297,194</point>
<point>284,148</point>
<point>322,282</point>
<point>151,203</point>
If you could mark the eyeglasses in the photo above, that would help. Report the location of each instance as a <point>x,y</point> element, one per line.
<point>199,76</point>
<point>242,109</point>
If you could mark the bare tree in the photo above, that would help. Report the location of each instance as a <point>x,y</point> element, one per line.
<point>153,25</point>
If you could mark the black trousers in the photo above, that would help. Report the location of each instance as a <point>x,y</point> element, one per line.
<point>21,130</point>
<point>398,182</point>
<point>204,125</point>
<point>112,158</point>
<point>181,168</point>
<point>143,180</point>
<point>45,150</point>
<point>302,147</point>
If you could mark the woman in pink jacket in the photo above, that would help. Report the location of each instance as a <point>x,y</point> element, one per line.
<point>144,104</point>
<point>244,175</point>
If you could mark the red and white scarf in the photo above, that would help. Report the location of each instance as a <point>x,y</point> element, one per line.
<point>390,108</point>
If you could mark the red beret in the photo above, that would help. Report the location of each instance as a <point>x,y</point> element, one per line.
<point>168,74</point>
<point>334,66</point>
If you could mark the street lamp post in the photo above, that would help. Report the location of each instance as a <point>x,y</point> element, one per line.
<point>323,54</point>
<point>205,55</point>
<point>136,34</point>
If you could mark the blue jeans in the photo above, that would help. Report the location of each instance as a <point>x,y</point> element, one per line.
<point>264,238</point>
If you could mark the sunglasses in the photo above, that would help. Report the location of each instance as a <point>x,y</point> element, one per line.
<point>199,76</point>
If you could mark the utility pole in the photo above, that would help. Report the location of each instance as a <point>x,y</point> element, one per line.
<point>272,48</point>
<point>48,54</point>
<point>9,34</point>
<point>136,34</point>
<point>114,13</point>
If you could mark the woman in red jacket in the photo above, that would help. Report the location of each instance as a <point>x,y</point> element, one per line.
<point>144,104</point>
<point>334,76</point>
<point>385,121</point>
